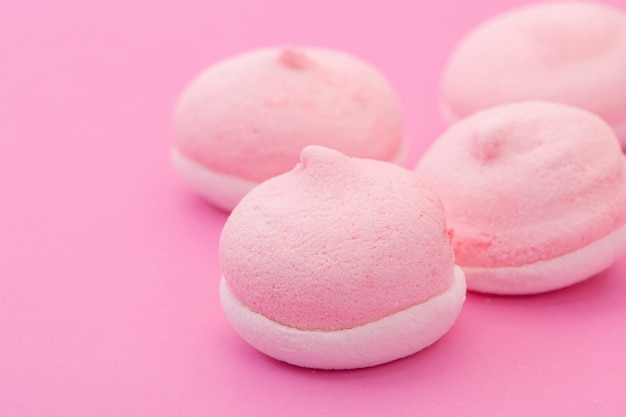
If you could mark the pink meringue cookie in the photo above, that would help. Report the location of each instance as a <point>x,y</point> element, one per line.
<point>340,263</point>
<point>247,118</point>
<point>569,52</point>
<point>535,193</point>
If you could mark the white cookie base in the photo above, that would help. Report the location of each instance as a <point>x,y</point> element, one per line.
<point>449,117</point>
<point>554,274</point>
<point>390,338</point>
<point>620,131</point>
<point>223,190</point>
<point>400,158</point>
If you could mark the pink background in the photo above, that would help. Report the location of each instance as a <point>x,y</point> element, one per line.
<point>108,264</point>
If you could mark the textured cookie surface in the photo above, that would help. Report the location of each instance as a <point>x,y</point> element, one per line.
<point>569,52</point>
<point>527,182</point>
<point>337,243</point>
<point>250,115</point>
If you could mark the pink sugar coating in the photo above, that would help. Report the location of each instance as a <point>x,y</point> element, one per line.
<point>527,182</point>
<point>250,115</point>
<point>568,52</point>
<point>336,243</point>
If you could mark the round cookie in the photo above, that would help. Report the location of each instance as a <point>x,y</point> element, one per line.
<point>569,52</point>
<point>247,118</point>
<point>535,193</point>
<point>340,263</point>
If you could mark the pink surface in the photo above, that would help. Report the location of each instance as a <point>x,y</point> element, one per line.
<point>109,278</point>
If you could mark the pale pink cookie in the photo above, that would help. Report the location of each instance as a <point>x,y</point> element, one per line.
<point>340,263</point>
<point>247,118</point>
<point>569,52</point>
<point>535,193</point>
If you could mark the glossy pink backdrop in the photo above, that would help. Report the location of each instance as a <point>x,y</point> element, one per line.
<point>108,264</point>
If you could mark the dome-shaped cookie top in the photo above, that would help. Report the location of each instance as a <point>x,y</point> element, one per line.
<point>336,243</point>
<point>527,182</point>
<point>568,52</point>
<point>250,115</point>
